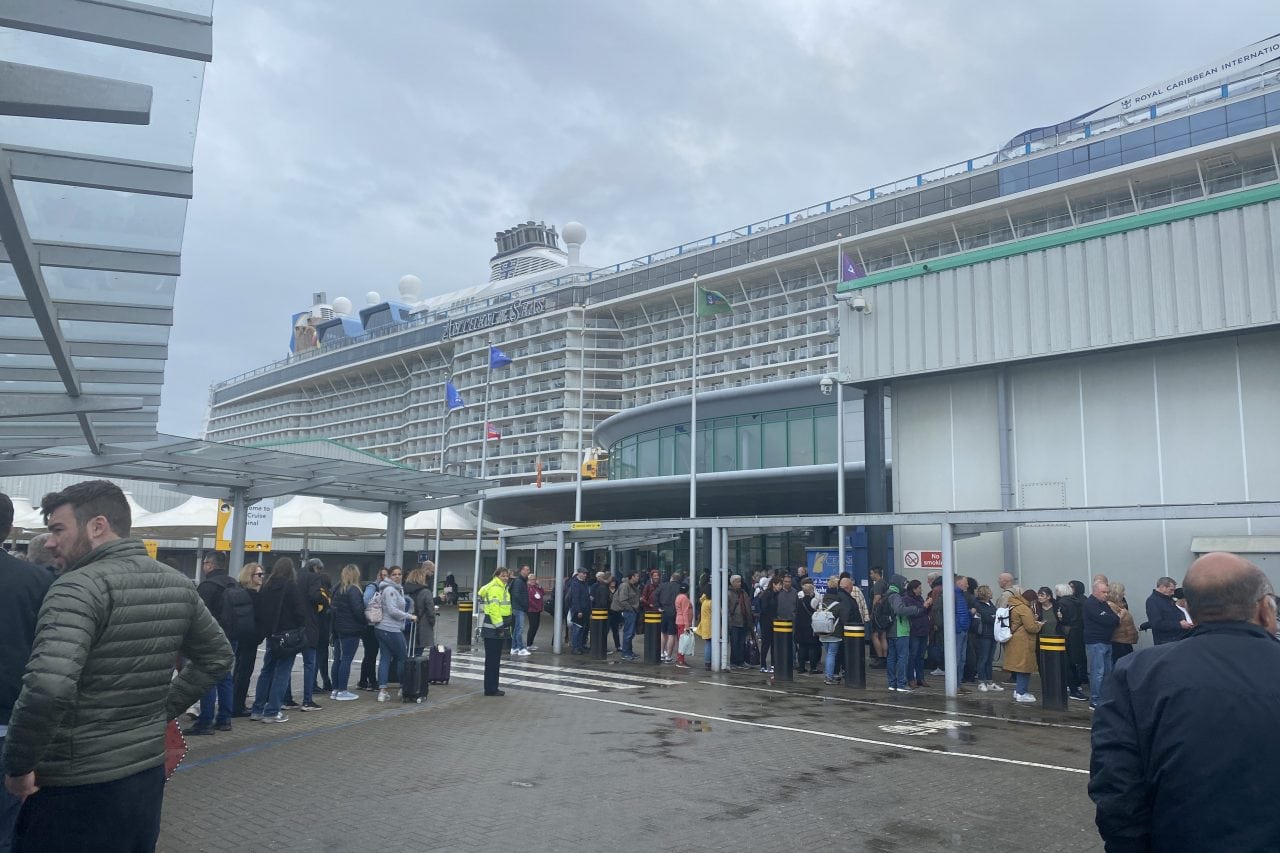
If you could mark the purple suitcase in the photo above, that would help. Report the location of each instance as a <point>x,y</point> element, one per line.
<point>439,664</point>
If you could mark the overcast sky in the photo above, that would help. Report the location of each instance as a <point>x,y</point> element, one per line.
<point>343,145</point>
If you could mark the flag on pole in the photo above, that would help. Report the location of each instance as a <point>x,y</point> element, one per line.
<point>850,269</point>
<point>712,302</point>
<point>497,358</point>
<point>538,476</point>
<point>452,399</point>
<point>491,432</point>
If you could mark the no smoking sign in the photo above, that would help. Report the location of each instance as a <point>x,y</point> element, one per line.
<point>922,559</point>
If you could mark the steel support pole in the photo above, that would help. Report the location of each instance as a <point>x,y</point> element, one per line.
<point>394,551</point>
<point>239,526</point>
<point>717,600</point>
<point>557,641</point>
<point>840,504</point>
<point>952,678</point>
<point>726,569</point>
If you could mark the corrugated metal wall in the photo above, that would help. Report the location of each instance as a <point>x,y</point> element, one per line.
<point>1206,274</point>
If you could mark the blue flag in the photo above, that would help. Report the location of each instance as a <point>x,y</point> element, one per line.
<point>497,358</point>
<point>452,398</point>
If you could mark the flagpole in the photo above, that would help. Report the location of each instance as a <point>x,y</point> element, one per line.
<point>484,469</point>
<point>693,439</point>
<point>841,528</point>
<point>582,407</point>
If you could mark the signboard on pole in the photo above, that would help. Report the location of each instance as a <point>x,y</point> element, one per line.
<point>922,559</point>
<point>257,534</point>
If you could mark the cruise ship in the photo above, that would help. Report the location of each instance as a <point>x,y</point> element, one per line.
<point>602,357</point>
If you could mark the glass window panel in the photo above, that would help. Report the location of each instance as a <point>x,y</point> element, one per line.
<point>1042,179</point>
<point>63,214</point>
<point>680,448</point>
<point>704,450</point>
<point>113,288</point>
<point>749,446</point>
<point>626,460</point>
<point>1272,101</point>
<point>175,103</point>
<point>1209,118</point>
<point>1109,161</point>
<point>1170,129</point>
<point>1208,134</point>
<point>1138,138</point>
<point>800,441</point>
<point>19,327</point>
<point>647,458</point>
<point>1175,143</point>
<point>1040,165</point>
<point>16,360</point>
<point>128,333</point>
<point>84,362</point>
<point>824,427</point>
<point>774,446</point>
<point>1075,170</point>
<point>1243,109</point>
<point>1244,125</point>
<point>726,453</point>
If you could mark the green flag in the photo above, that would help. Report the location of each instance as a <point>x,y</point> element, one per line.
<point>712,302</point>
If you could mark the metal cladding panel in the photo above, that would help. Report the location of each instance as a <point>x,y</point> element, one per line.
<point>1204,274</point>
<point>1260,413</point>
<point>1196,382</point>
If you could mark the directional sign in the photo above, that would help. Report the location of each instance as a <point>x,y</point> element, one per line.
<point>922,559</point>
<point>586,525</point>
<point>257,533</point>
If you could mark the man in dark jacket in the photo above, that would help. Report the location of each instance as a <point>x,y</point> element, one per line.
<point>22,588</point>
<point>311,584</point>
<point>577,601</point>
<point>211,591</point>
<point>1184,752</point>
<point>1071,625</point>
<point>665,601</point>
<point>85,745</point>
<point>1166,620</point>
<point>520,611</point>
<point>1100,622</point>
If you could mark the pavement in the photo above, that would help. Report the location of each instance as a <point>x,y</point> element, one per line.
<point>585,755</point>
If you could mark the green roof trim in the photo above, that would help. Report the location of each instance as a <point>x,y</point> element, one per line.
<point>1120,224</point>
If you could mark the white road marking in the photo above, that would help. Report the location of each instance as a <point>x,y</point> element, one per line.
<point>624,676</point>
<point>694,715</point>
<point>514,682</point>
<point>545,677</point>
<point>903,707</point>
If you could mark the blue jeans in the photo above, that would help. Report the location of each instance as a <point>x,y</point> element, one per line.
<point>1021,682</point>
<point>9,806</point>
<point>896,668</point>
<point>391,644</point>
<point>830,650</point>
<point>986,654</point>
<point>219,694</point>
<point>628,631</point>
<point>344,654</point>
<point>273,681</point>
<point>578,637</point>
<point>1099,657</point>
<point>517,631</point>
<point>706,651</point>
<point>962,648</point>
<point>915,659</point>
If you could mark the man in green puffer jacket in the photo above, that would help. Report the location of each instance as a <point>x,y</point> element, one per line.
<point>85,747</point>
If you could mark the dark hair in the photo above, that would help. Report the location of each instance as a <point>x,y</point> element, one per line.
<point>1077,587</point>
<point>6,515</point>
<point>1046,591</point>
<point>219,559</point>
<point>283,568</point>
<point>913,586</point>
<point>315,564</point>
<point>1029,596</point>
<point>90,499</point>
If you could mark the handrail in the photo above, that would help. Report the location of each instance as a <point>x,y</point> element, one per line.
<point>1091,129</point>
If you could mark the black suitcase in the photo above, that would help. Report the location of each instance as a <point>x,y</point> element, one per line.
<point>440,664</point>
<point>413,680</point>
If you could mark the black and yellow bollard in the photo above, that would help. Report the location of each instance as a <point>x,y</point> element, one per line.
<point>783,650</point>
<point>653,637</point>
<point>855,656</point>
<point>464,623</point>
<point>1053,673</point>
<point>599,633</point>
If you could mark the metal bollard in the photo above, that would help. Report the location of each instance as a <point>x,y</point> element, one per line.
<point>464,623</point>
<point>652,637</point>
<point>1053,679</point>
<point>783,650</point>
<point>855,656</point>
<point>599,633</point>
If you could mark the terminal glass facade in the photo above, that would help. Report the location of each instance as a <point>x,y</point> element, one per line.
<point>776,439</point>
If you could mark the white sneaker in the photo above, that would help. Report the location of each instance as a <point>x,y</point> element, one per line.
<point>982,686</point>
<point>532,648</point>
<point>382,696</point>
<point>345,696</point>
<point>1025,698</point>
<point>991,685</point>
<point>939,671</point>
<point>524,653</point>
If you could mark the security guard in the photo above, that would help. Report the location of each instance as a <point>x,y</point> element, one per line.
<point>495,601</point>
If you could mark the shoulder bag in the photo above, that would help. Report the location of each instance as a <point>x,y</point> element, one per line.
<point>285,643</point>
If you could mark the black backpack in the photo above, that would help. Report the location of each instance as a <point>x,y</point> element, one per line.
<point>883,613</point>
<point>236,615</point>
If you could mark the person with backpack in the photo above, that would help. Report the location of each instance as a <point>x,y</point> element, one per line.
<point>833,640</point>
<point>986,622</point>
<point>808,646</point>
<point>324,636</point>
<point>898,634</point>
<point>392,649</point>
<point>348,627</point>
<point>247,643</point>
<point>919,635</point>
<point>212,591</point>
<point>369,640</point>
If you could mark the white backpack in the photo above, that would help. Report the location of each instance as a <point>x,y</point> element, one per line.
<point>823,620</point>
<point>1002,632</point>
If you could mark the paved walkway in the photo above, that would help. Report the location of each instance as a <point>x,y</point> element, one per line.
<point>588,755</point>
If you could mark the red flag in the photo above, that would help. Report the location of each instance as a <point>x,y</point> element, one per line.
<point>491,432</point>
<point>538,469</point>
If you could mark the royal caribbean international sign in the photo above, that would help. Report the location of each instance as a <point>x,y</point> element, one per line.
<point>497,317</point>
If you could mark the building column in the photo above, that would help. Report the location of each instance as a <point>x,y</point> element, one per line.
<point>875,479</point>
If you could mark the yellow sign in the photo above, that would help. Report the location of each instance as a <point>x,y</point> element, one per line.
<point>258,526</point>
<point>586,525</point>
<point>152,546</point>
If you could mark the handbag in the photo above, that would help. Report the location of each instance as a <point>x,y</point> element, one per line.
<point>284,643</point>
<point>686,642</point>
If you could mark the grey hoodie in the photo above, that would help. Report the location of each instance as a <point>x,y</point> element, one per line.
<point>394,610</point>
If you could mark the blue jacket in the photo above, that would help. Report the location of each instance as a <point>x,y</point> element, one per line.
<point>1184,753</point>
<point>1100,621</point>
<point>578,599</point>
<point>22,589</point>
<point>963,616</point>
<point>1165,618</point>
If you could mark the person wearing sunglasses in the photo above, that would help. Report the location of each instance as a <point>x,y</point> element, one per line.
<point>251,578</point>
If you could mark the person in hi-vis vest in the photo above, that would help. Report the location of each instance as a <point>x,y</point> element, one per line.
<point>495,603</point>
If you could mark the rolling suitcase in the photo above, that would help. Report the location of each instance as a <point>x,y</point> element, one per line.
<point>439,663</point>
<point>413,680</point>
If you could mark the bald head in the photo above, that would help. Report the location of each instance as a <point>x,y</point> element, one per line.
<point>1223,587</point>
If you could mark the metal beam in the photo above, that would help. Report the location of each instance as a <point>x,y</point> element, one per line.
<point>259,492</point>
<point>106,258</point>
<point>49,374</point>
<point>34,92</point>
<point>92,311</point>
<point>61,464</point>
<point>115,22</point>
<point>88,349</point>
<point>100,173</point>
<point>12,406</point>
<point>26,267</point>
<point>440,503</point>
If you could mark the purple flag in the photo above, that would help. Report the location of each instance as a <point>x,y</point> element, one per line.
<point>850,269</point>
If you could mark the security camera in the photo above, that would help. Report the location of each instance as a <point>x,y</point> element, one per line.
<point>827,385</point>
<point>860,305</point>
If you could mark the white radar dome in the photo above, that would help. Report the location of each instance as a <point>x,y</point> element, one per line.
<point>574,232</point>
<point>372,298</point>
<point>410,287</point>
<point>342,305</point>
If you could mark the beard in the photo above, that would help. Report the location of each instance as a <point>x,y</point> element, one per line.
<point>69,556</point>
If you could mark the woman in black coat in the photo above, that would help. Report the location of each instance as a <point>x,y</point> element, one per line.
<point>278,608</point>
<point>251,578</point>
<point>808,647</point>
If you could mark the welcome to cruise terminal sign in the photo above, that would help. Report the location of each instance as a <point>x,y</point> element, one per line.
<point>497,317</point>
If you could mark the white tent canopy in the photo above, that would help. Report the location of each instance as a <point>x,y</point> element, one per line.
<point>27,520</point>
<point>196,517</point>
<point>307,516</point>
<point>455,523</point>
